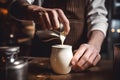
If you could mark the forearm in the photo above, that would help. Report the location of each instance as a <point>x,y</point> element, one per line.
<point>19,10</point>
<point>96,39</point>
<point>97,22</point>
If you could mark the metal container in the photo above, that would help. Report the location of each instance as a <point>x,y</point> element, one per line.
<point>12,67</point>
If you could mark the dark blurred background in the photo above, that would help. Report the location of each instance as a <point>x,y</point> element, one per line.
<point>7,27</point>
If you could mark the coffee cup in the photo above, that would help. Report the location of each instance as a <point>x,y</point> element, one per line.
<point>60,58</point>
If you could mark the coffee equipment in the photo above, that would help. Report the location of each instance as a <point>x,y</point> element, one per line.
<point>11,66</point>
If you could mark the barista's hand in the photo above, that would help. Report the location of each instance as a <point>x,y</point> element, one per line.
<point>49,19</point>
<point>86,56</point>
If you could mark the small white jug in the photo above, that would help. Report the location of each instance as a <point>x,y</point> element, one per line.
<point>60,58</point>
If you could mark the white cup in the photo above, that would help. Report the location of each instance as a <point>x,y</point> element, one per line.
<point>60,58</point>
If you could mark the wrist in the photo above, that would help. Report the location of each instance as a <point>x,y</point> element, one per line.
<point>96,39</point>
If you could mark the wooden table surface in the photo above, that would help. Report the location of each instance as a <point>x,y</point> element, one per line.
<point>40,69</point>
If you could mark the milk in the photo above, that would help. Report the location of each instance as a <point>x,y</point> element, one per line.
<point>62,34</point>
<point>62,39</point>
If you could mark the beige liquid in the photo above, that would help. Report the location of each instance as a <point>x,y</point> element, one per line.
<point>62,38</point>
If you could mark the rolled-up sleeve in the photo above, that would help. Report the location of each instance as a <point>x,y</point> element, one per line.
<point>96,16</point>
<point>30,1</point>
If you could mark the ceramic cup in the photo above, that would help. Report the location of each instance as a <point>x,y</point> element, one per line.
<point>60,58</point>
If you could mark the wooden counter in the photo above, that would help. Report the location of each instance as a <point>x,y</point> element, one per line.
<point>40,69</point>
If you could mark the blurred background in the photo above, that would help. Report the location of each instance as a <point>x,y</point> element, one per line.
<point>8,29</point>
<point>10,35</point>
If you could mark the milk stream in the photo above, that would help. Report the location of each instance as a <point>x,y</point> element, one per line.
<point>62,38</point>
<point>62,34</point>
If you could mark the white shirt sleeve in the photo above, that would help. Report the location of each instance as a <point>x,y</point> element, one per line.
<point>97,19</point>
<point>30,1</point>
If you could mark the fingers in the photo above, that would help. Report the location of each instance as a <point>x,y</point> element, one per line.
<point>86,56</point>
<point>78,55</point>
<point>96,60</point>
<point>64,20</point>
<point>57,16</point>
<point>53,15</point>
<point>40,20</point>
<point>92,61</point>
<point>50,18</point>
<point>46,21</point>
